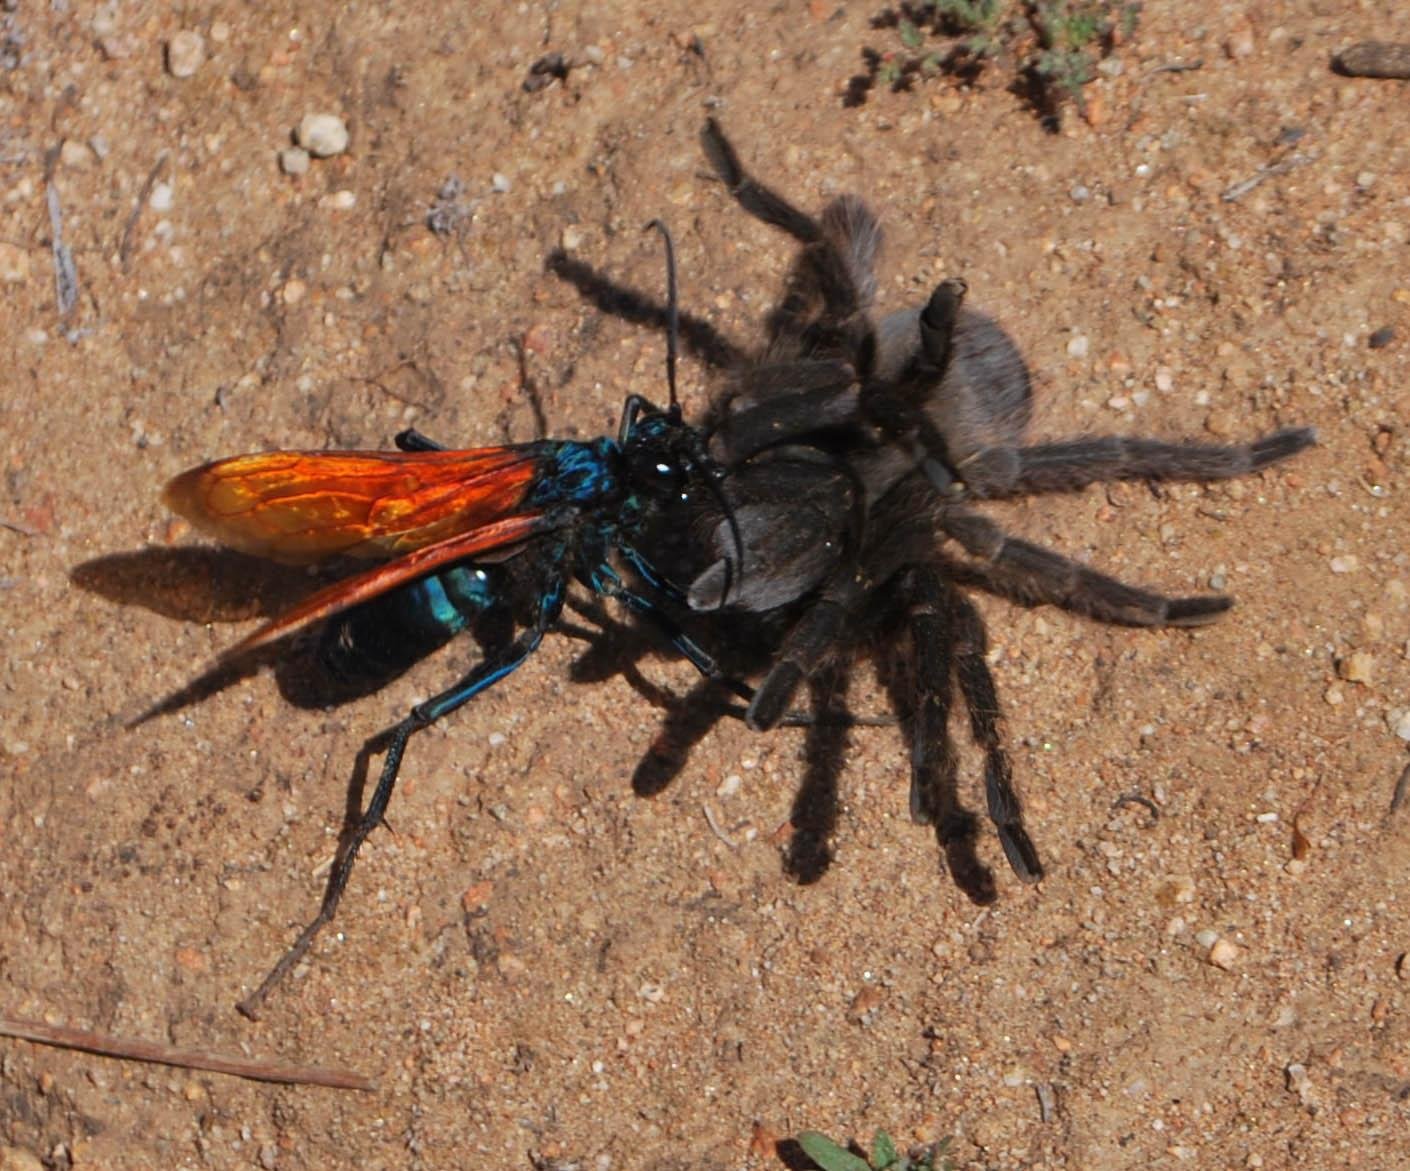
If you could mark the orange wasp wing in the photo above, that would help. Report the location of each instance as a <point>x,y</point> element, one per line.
<point>307,506</point>
<point>425,509</point>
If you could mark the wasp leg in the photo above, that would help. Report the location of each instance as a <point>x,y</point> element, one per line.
<point>486,675</point>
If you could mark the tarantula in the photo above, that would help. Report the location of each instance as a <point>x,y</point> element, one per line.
<point>854,446</point>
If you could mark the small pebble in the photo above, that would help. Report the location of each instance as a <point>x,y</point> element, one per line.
<point>1402,965</point>
<point>1221,422</point>
<point>294,160</point>
<point>75,155</point>
<point>1401,727</point>
<point>1239,43</point>
<point>1347,564</point>
<point>1164,379</point>
<point>343,200</point>
<point>1078,346</point>
<point>1080,194</point>
<point>1357,667</point>
<point>294,291</point>
<point>1224,954</point>
<point>161,197</point>
<point>14,264</point>
<point>1179,889</point>
<point>1381,337</point>
<point>323,135</point>
<point>500,183</point>
<point>220,32</point>
<point>185,53</point>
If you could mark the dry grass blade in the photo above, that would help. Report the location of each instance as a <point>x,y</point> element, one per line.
<point>152,1051</point>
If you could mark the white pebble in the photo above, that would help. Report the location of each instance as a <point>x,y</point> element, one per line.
<point>1077,347</point>
<point>1164,379</point>
<point>294,160</point>
<point>1401,727</point>
<point>500,183</point>
<point>1347,564</point>
<point>323,135</point>
<point>161,197</point>
<point>185,53</point>
<point>344,200</point>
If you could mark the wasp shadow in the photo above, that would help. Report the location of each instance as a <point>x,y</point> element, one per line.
<point>212,585</point>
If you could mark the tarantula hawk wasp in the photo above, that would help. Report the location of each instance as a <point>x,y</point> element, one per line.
<point>449,530</point>
<point>855,447</point>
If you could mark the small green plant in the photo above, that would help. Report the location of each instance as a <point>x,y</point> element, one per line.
<point>884,1156</point>
<point>1072,37</point>
<point>1052,46</point>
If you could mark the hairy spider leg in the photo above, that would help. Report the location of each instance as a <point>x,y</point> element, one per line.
<point>1036,574</point>
<point>1070,464</point>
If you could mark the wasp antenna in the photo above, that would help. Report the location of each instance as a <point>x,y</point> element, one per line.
<point>673,328</point>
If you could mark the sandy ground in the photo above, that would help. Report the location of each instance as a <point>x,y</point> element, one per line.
<point>538,967</point>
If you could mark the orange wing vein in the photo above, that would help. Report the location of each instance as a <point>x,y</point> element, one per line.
<point>307,506</point>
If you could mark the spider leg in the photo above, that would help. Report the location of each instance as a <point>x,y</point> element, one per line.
<point>982,699</point>
<point>897,404</point>
<point>1036,574</point>
<point>814,813</point>
<point>761,202</point>
<point>1074,463</point>
<point>832,282</point>
<point>929,602</point>
<point>804,648</point>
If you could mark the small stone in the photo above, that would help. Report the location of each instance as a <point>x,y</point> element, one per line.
<point>1300,1084</point>
<point>1401,726</point>
<point>1381,337</point>
<point>500,183</point>
<point>1334,695</point>
<point>14,264</point>
<point>1357,667</point>
<point>571,238</point>
<point>343,200</point>
<point>1221,422</point>
<point>294,291</point>
<point>323,135</point>
<point>1224,954</point>
<point>294,160</point>
<point>1402,965</point>
<point>1346,564</point>
<point>75,155</point>
<point>1365,179</point>
<point>185,53</point>
<point>1078,346</point>
<point>161,197</point>
<point>1179,889</point>
<point>1080,193</point>
<point>1164,379</point>
<point>220,32</point>
<point>1239,43</point>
